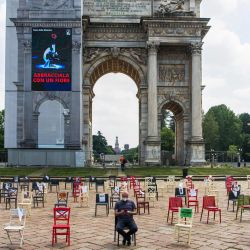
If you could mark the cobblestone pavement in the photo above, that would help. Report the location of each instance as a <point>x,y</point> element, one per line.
<point>90,232</point>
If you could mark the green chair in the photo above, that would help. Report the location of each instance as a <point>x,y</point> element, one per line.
<point>243,204</point>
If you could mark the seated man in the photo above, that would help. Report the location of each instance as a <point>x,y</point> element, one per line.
<point>124,210</point>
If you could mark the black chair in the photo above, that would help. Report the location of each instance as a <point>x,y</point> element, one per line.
<point>38,196</point>
<point>92,180</point>
<point>99,183</point>
<point>69,180</point>
<point>54,183</point>
<point>11,196</point>
<point>4,190</point>
<point>133,238</point>
<point>62,199</point>
<point>102,200</point>
<point>24,183</point>
<point>182,194</point>
<point>233,196</point>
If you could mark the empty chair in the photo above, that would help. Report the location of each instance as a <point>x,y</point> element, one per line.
<point>209,205</point>
<point>24,183</point>
<point>102,200</point>
<point>141,202</point>
<point>170,184</point>
<point>192,199</point>
<point>38,196</point>
<point>243,203</point>
<point>26,201</point>
<point>115,195</point>
<point>152,194</point>
<point>54,183</point>
<point>62,199</point>
<point>99,183</point>
<point>174,203</point>
<point>16,224</point>
<point>61,224</point>
<point>83,196</point>
<point>184,223</point>
<point>68,180</point>
<point>4,190</point>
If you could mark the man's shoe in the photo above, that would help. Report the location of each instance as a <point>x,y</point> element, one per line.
<point>124,242</point>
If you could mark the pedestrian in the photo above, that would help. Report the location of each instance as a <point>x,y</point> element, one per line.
<point>123,161</point>
<point>124,211</point>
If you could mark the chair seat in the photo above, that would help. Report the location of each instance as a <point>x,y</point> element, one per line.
<point>175,209</point>
<point>213,208</point>
<point>183,225</point>
<point>13,228</point>
<point>246,206</point>
<point>61,226</point>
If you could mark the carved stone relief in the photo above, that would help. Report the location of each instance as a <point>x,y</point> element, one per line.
<point>171,73</point>
<point>51,4</point>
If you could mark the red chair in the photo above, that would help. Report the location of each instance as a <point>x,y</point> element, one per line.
<point>76,190</point>
<point>209,205</point>
<point>61,224</point>
<point>192,197</point>
<point>173,205</point>
<point>132,182</point>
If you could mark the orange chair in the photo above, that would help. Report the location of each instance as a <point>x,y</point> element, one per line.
<point>61,224</point>
<point>192,197</point>
<point>174,204</point>
<point>209,205</point>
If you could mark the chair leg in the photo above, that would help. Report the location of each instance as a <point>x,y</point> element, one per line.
<point>168,216</point>
<point>241,210</point>
<point>172,217</point>
<point>214,215</point>
<point>201,214</point>
<point>207,216</point>
<point>220,216</point>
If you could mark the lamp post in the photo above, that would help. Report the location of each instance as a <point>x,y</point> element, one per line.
<point>239,156</point>
<point>212,160</point>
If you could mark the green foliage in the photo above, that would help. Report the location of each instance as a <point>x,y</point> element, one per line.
<point>232,152</point>
<point>229,128</point>
<point>131,155</point>
<point>211,131</point>
<point>1,129</point>
<point>167,139</point>
<point>100,145</point>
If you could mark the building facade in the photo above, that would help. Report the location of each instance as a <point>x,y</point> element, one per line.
<point>56,50</point>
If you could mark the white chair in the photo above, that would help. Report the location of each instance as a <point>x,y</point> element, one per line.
<point>26,201</point>
<point>170,184</point>
<point>83,196</point>
<point>16,224</point>
<point>184,224</point>
<point>151,194</point>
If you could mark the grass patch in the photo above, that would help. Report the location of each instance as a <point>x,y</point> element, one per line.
<point>20,171</point>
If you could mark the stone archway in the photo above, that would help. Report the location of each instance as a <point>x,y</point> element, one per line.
<point>95,70</point>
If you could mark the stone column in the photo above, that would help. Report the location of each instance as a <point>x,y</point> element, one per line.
<point>152,90</point>
<point>196,91</point>
<point>152,153</point>
<point>196,144</point>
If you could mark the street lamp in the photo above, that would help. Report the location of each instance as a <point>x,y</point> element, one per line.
<point>212,154</point>
<point>239,156</point>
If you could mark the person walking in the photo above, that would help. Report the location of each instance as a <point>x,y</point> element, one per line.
<point>123,161</point>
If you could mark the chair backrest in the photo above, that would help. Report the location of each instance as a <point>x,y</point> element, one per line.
<point>69,179</point>
<point>77,179</point>
<point>192,193</point>
<point>62,196</point>
<point>152,190</point>
<point>54,182</point>
<point>208,201</point>
<point>83,189</point>
<point>175,202</point>
<point>185,216</point>
<point>12,192</point>
<point>17,217</point>
<point>171,178</point>
<point>46,178</point>
<point>180,191</point>
<point>16,179</point>
<point>61,215</point>
<point>26,197</point>
<point>123,179</point>
<point>102,198</point>
<point>7,185</point>
<point>115,191</point>
<point>248,177</point>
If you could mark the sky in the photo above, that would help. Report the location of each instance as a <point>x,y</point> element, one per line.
<point>226,73</point>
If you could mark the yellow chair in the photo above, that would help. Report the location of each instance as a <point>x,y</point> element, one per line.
<point>184,224</point>
<point>26,201</point>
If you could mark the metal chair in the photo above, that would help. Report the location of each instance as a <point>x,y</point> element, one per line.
<point>102,200</point>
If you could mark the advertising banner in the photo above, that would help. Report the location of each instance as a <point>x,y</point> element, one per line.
<point>51,59</point>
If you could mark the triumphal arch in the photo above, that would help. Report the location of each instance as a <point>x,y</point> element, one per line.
<point>64,47</point>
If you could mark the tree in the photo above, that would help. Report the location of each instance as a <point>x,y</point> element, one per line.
<point>131,154</point>
<point>1,129</point>
<point>232,152</point>
<point>210,131</point>
<point>167,139</point>
<point>229,126</point>
<point>100,145</point>
<point>245,118</point>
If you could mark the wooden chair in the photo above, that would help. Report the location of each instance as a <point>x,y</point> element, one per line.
<point>192,199</point>
<point>4,190</point>
<point>11,196</point>
<point>184,223</point>
<point>26,201</point>
<point>54,183</point>
<point>24,183</point>
<point>141,202</point>
<point>84,196</point>
<point>38,196</point>
<point>210,205</point>
<point>61,224</point>
<point>68,180</point>
<point>170,184</point>
<point>243,203</point>
<point>102,200</point>
<point>115,195</point>
<point>174,203</point>
<point>16,224</point>
<point>62,199</point>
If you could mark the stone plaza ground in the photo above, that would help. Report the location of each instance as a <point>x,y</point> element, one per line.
<point>90,232</point>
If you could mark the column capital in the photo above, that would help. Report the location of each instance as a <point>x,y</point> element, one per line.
<point>196,48</point>
<point>153,46</point>
<point>76,46</point>
<point>27,44</point>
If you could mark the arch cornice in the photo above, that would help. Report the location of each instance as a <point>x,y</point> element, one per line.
<point>49,98</point>
<point>174,100</point>
<point>115,62</point>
